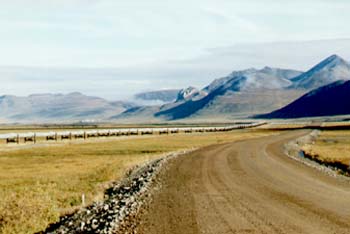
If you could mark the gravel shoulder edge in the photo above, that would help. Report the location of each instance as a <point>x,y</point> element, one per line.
<point>118,212</point>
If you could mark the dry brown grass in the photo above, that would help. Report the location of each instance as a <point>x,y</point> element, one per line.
<point>283,126</point>
<point>37,184</point>
<point>336,124</point>
<point>331,146</point>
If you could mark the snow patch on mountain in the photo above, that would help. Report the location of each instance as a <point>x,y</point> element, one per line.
<point>190,93</point>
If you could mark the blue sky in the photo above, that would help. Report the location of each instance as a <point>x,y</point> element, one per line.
<point>142,45</point>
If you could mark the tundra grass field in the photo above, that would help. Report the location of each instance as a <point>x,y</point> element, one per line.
<point>331,147</point>
<point>38,184</point>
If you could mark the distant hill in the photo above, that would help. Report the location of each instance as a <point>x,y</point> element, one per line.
<point>329,70</point>
<point>166,96</point>
<point>58,107</point>
<point>332,99</point>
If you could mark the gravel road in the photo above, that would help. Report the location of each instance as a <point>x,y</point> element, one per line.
<point>247,187</point>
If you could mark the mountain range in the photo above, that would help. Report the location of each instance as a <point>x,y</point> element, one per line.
<point>239,95</point>
<point>247,92</point>
<point>58,107</point>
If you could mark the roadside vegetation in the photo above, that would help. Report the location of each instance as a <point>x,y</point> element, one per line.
<point>332,147</point>
<point>38,184</point>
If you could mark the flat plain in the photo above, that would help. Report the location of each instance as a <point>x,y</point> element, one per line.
<point>331,146</point>
<point>39,183</point>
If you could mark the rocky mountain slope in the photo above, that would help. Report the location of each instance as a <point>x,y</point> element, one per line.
<point>332,99</point>
<point>190,93</point>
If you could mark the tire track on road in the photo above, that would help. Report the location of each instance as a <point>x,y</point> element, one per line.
<point>247,187</point>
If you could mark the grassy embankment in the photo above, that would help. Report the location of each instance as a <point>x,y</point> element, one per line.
<point>37,184</point>
<point>332,148</point>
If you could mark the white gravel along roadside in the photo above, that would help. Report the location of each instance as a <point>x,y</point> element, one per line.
<point>123,201</point>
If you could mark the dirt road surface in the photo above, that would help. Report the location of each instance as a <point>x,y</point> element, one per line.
<point>247,187</point>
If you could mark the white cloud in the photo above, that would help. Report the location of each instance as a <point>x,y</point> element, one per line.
<point>122,83</point>
<point>120,33</point>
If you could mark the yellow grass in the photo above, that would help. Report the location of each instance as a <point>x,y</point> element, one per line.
<point>37,184</point>
<point>331,146</point>
<point>336,124</point>
<point>283,126</point>
<point>70,127</point>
